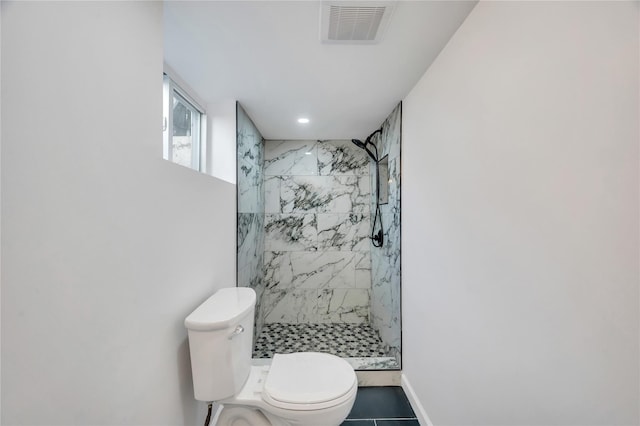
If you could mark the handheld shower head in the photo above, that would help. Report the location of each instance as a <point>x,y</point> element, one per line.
<point>377,239</point>
<point>359,143</point>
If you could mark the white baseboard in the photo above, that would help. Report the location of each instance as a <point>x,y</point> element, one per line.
<point>421,413</point>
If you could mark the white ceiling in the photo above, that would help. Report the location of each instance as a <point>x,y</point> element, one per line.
<point>268,56</point>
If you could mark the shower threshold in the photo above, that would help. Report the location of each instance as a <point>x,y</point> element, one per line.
<point>359,344</point>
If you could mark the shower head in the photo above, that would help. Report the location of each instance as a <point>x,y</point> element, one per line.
<point>359,143</point>
<point>364,146</point>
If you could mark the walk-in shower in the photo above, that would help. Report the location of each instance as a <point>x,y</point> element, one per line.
<point>324,280</point>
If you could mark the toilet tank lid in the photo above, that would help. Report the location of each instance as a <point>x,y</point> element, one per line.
<point>222,309</point>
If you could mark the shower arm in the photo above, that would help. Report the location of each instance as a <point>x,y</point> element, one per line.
<point>377,239</point>
<point>368,140</point>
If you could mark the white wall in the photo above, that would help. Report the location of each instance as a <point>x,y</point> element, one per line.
<point>221,135</point>
<point>105,246</point>
<point>0,208</point>
<point>520,218</point>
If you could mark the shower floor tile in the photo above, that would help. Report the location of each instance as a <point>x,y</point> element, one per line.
<point>343,340</point>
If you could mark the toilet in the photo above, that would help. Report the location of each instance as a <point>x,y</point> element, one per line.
<point>304,388</point>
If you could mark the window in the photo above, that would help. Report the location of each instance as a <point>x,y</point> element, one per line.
<point>183,127</point>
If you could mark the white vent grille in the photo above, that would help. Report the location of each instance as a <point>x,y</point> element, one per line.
<point>354,22</point>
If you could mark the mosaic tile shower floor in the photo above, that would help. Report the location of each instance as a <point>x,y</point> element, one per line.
<point>343,340</point>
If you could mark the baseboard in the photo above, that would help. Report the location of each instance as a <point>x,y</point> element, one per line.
<point>421,413</point>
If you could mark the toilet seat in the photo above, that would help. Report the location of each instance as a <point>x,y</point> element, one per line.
<point>308,381</point>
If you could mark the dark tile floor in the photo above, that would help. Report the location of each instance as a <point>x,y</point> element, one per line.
<point>381,406</point>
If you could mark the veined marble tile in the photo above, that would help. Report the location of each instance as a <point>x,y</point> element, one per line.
<point>258,317</point>
<point>250,148</point>
<point>311,270</point>
<point>320,270</point>
<point>385,261</point>
<point>394,181</point>
<point>245,275</point>
<point>250,250</point>
<point>249,140</point>
<point>394,337</point>
<point>278,271</point>
<point>250,188</point>
<point>342,158</point>
<point>388,142</point>
<point>305,194</point>
<point>290,306</point>
<point>250,239</point>
<point>343,305</point>
<point>349,194</point>
<point>291,232</point>
<point>324,194</point>
<point>272,194</point>
<point>244,225</point>
<point>385,287</point>
<point>290,158</point>
<point>317,229</point>
<point>389,330</point>
<point>391,248</point>
<point>343,231</point>
<point>363,269</point>
<point>377,363</point>
<point>358,197</point>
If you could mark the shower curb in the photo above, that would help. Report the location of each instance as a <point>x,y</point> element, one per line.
<point>379,378</point>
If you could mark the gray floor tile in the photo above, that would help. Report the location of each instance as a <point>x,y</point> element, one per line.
<point>358,423</point>
<point>398,422</point>
<point>385,402</point>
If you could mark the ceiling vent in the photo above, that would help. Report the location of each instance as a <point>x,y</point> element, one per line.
<point>354,22</point>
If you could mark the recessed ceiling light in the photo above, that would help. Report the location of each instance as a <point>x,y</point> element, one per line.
<point>303,120</point>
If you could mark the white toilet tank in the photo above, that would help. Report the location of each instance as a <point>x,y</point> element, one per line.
<point>221,343</point>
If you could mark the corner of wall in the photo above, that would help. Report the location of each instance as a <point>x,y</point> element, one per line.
<point>417,406</point>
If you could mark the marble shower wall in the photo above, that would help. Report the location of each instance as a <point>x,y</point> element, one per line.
<point>385,261</point>
<point>250,186</point>
<point>317,261</point>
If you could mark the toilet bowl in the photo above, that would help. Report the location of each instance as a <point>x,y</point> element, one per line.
<point>304,388</point>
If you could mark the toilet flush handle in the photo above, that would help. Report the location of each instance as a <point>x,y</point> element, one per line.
<point>239,329</point>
